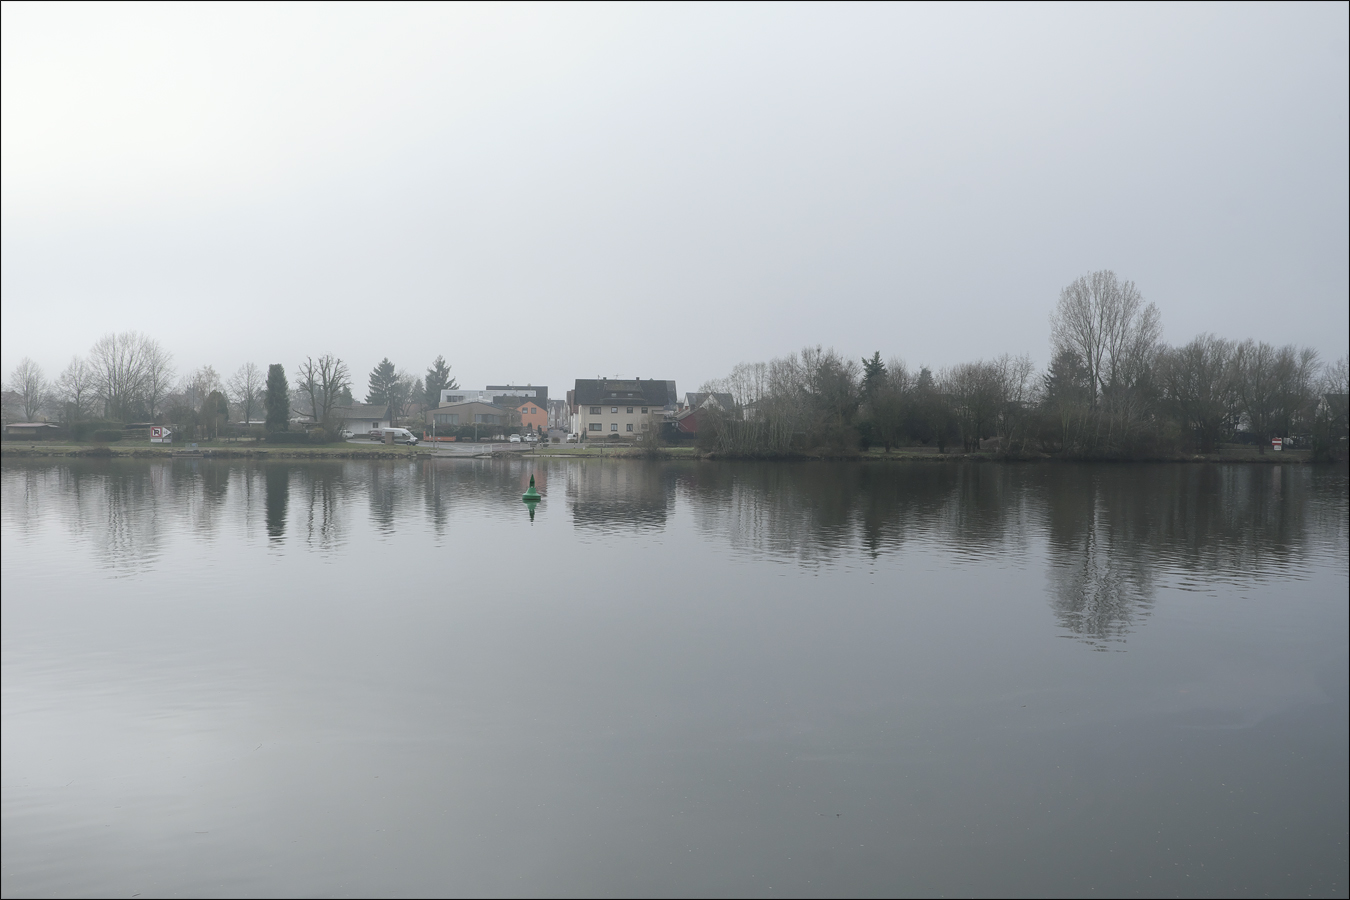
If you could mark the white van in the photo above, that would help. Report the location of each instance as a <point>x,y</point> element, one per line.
<point>401,435</point>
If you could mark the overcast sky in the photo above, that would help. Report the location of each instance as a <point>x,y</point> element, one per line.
<point>541,193</point>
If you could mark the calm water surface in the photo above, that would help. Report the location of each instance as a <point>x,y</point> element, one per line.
<point>357,678</point>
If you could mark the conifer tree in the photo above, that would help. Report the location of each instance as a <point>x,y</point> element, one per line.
<point>438,379</point>
<point>874,375</point>
<point>277,400</point>
<point>383,381</point>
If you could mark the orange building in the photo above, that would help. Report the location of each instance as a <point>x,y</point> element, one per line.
<point>532,413</point>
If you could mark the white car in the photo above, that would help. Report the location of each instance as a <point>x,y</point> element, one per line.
<point>573,438</point>
<point>401,435</point>
<point>532,438</point>
<point>515,439</point>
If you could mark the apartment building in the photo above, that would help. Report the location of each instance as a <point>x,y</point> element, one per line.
<point>626,409</point>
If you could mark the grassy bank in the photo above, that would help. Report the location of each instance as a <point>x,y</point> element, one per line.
<point>912,454</point>
<point>213,449</point>
<point>249,450</point>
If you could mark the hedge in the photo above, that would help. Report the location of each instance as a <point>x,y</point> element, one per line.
<point>107,436</point>
<point>295,437</point>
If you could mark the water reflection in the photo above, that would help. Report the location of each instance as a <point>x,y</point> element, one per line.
<point>1099,578</point>
<point>619,495</point>
<point>278,480</point>
<point>1106,537</point>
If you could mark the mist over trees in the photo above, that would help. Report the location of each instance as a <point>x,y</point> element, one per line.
<point>1113,389</point>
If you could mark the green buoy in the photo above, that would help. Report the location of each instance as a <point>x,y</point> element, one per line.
<point>531,499</point>
<point>531,496</point>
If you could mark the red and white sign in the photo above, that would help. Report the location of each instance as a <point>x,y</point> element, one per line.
<point>160,435</point>
<point>1277,443</point>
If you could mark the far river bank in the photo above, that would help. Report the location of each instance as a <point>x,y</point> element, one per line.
<point>233,450</point>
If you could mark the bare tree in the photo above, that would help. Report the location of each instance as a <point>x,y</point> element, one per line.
<point>199,385</point>
<point>323,381</point>
<point>1107,324</point>
<point>401,392</point>
<point>75,389</point>
<point>1198,384</point>
<point>120,371</point>
<point>159,374</point>
<point>1012,382</point>
<point>31,388</point>
<point>1296,372</point>
<point>1335,377</point>
<point>246,389</point>
<point>1256,385</point>
<point>972,389</point>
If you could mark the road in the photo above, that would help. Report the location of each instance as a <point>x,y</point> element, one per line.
<point>445,448</point>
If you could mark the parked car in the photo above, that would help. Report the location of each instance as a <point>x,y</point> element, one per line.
<point>401,435</point>
<point>532,437</point>
<point>515,439</point>
<point>573,438</point>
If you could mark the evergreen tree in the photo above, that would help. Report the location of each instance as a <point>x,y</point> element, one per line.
<point>277,400</point>
<point>383,380</point>
<point>438,379</point>
<point>874,375</point>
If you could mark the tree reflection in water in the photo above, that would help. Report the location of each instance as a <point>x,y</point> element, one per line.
<point>277,477</point>
<point>1108,536</point>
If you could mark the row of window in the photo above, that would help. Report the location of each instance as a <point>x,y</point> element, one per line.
<point>597,410</point>
<point>613,426</point>
<point>479,418</point>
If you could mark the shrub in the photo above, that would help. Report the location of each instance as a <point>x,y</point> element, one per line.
<point>107,435</point>
<point>293,438</point>
<point>85,431</point>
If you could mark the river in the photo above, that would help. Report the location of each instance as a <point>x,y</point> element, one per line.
<point>675,678</point>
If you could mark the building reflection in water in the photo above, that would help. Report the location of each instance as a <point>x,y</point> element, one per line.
<point>619,495</point>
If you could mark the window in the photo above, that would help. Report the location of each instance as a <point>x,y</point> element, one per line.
<point>447,419</point>
<point>630,412</point>
<point>644,410</point>
<point>613,409</point>
<point>595,410</point>
<point>594,426</point>
<point>613,426</point>
<point>630,426</point>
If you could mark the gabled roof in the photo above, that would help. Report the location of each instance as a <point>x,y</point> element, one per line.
<point>362,411</point>
<point>625,390</point>
<point>716,399</point>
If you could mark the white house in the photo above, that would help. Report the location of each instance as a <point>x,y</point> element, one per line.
<point>360,418</point>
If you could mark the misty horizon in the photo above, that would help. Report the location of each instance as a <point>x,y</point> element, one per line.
<point>544,194</point>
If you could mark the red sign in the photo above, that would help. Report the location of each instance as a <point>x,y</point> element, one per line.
<point>1277,443</point>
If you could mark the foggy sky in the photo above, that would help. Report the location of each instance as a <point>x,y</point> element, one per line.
<point>546,193</point>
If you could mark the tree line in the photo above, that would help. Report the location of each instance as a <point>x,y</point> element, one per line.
<point>1113,389</point>
<point>129,377</point>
